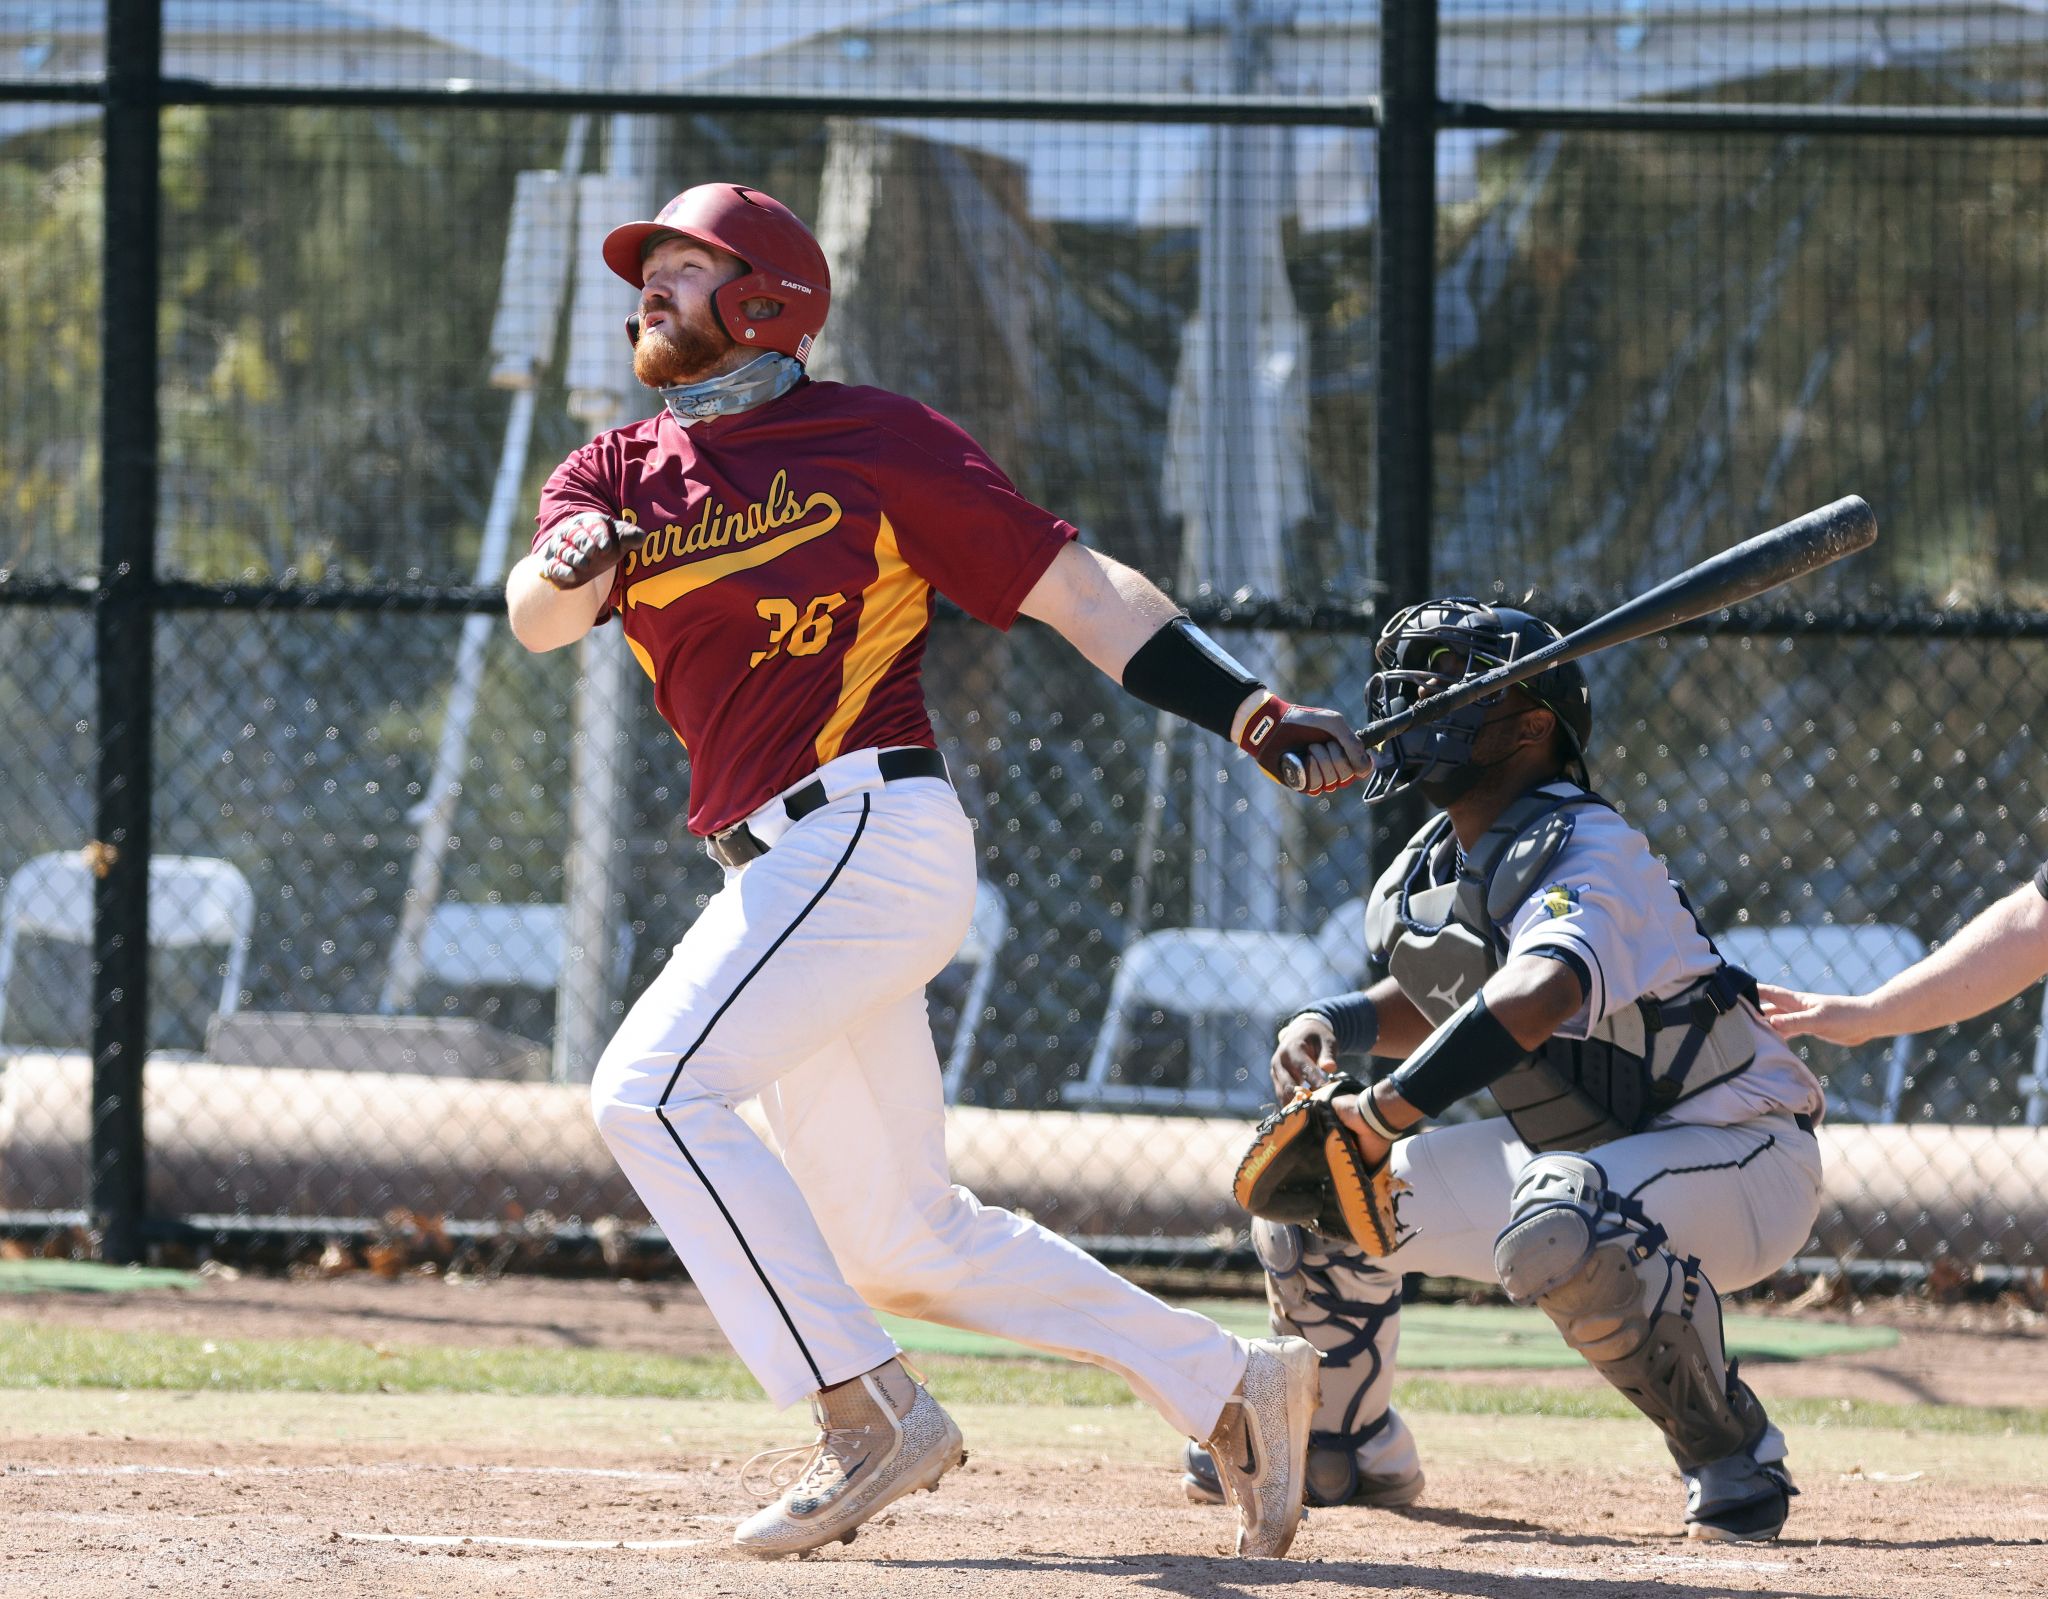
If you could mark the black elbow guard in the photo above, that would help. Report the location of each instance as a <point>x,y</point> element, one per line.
<point>1461,1057</point>
<point>1182,670</point>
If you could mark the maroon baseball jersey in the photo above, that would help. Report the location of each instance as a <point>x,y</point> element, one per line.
<point>783,594</point>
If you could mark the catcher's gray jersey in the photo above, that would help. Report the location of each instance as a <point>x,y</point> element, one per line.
<point>1608,907</point>
<point>1611,903</point>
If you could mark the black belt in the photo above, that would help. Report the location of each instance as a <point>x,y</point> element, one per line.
<point>739,843</point>
<point>1805,1121</point>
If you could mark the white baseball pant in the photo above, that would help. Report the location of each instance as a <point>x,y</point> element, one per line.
<point>803,982</point>
<point>1741,1198</point>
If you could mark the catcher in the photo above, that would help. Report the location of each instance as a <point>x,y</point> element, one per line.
<point>1655,1137</point>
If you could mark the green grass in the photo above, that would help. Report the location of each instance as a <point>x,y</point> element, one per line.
<point>1433,1337</point>
<point>71,1357</point>
<point>33,1357</point>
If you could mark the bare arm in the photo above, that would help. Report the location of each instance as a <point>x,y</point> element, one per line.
<point>1100,606</point>
<point>1130,631</point>
<point>1530,997</point>
<point>554,596</point>
<point>1997,955</point>
<point>544,617</point>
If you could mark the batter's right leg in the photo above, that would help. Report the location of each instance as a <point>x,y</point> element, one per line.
<point>855,909</point>
<point>1360,1450</point>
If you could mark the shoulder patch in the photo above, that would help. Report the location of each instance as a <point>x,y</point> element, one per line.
<point>1559,898</point>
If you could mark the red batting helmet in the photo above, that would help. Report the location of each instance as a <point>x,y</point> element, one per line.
<point>783,261</point>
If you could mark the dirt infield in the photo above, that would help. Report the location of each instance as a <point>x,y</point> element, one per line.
<point>119,1493</point>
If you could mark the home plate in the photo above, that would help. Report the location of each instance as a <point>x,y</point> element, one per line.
<point>1704,1563</point>
<point>446,1540</point>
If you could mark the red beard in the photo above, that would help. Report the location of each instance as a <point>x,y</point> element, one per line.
<point>677,353</point>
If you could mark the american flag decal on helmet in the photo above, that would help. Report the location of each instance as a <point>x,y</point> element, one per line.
<point>803,346</point>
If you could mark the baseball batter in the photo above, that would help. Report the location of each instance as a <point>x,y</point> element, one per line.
<point>1655,1141</point>
<point>772,547</point>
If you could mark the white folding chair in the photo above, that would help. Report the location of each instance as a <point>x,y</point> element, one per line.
<point>500,946</point>
<point>193,899</point>
<point>985,935</point>
<point>1202,972</point>
<point>1834,958</point>
<point>503,945</point>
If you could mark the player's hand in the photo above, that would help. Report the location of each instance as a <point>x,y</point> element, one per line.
<point>1307,1053</point>
<point>585,547</point>
<point>1373,1147</point>
<point>1324,739</point>
<point>1838,1018</point>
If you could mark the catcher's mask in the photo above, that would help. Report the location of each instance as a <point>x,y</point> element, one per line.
<point>1435,646</point>
<point>783,261</point>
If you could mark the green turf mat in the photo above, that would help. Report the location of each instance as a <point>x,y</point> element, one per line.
<point>86,1276</point>
<point>1462,1337</point>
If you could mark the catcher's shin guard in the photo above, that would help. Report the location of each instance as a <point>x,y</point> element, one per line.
<point>1649,1323</point>
<point>1360,1451</point>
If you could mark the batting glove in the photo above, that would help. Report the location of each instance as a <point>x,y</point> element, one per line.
<point>1324,740</point>
<point>585,547</point>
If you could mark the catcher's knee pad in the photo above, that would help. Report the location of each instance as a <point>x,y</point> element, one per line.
<point>1328,1292</point>
<point>1648,1322</point>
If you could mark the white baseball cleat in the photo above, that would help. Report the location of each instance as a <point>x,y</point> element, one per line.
<point>1260,1444</point>
<point>1388,1478</point>
<point>864,1458</point>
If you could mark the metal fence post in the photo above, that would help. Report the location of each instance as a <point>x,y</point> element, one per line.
<point>1405,270</point>
<point>123,618</point>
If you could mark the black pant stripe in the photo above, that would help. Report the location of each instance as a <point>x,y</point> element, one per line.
<point>1770,1139</point>
<point>661,1106</point>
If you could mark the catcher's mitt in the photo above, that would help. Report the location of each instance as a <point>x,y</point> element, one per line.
<point>1305,1166</point>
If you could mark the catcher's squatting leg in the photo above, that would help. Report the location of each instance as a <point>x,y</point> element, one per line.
<point>1325,1290</point>
<point>1649,1323</point>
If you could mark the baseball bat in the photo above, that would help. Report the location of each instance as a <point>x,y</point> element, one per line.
<point>1792,550</point>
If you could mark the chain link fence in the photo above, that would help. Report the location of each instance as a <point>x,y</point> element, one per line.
<point>300,863</point>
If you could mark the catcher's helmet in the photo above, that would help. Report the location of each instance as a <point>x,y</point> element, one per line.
<point>1434,646</point>
<point>783,261</point>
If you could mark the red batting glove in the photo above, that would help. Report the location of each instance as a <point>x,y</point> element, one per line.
<point>586,547</point>
<point>1324,740</point>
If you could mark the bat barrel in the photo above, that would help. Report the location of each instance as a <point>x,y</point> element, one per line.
<point>1789,551</point>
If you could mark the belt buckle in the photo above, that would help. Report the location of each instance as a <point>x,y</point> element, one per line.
<point>735,846</point>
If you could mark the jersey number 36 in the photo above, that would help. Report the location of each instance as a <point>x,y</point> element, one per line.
<point>804,629</point>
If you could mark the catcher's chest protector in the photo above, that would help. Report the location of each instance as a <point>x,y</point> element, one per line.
<point>1435,921</point>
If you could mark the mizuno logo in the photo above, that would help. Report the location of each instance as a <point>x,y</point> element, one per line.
<point>1451,996</point>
